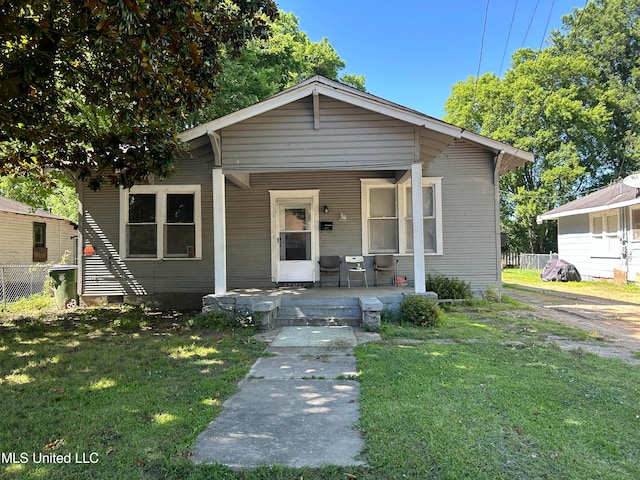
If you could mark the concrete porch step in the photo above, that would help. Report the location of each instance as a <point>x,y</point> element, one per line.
<point>319,311</point>
<point>317,322</point>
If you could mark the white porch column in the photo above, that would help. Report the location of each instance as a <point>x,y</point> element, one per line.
<point>418,228</point>
<point>219,233</point>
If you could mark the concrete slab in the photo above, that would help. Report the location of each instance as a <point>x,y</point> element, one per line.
<point>317,365</point>
<point>336,337</point>
<point>291,409</point>
<point>296,423</point>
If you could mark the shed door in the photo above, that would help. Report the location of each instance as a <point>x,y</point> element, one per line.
<point>294,248</point>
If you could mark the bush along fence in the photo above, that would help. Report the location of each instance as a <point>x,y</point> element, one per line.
<point>18,281</point>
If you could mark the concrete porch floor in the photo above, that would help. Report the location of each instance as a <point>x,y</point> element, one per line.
<point>320,292</point>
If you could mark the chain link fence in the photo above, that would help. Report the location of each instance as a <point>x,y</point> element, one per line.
<point>18,281</point>
<point>535,261</point>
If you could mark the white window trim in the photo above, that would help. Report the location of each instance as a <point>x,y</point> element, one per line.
<point>605,236</point>
<point>161,205</point>
<point>402,215</point>
<point>632,236</point>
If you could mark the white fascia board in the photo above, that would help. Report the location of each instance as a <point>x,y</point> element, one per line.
<point>246,113</point>
<point>582,211</point>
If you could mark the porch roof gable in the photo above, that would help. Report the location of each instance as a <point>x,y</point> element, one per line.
<point>318,85</point>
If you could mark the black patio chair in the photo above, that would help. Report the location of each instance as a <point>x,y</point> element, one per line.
<point>330,264</point>
<point>385,263</point>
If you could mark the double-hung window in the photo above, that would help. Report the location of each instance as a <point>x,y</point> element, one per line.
<point>430,220</point>
<point>387,215</point>
<point>160,222</point>
<point>604,234</point>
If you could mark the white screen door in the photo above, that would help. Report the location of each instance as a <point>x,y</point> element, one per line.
<point>294,236</point>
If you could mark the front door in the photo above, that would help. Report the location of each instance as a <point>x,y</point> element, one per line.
<point>294,244</point>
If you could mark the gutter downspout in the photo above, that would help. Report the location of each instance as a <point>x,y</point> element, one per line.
<point>496,184</point>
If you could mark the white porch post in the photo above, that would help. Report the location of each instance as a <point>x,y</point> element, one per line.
<point>219,233</point>
<point>418,228</point>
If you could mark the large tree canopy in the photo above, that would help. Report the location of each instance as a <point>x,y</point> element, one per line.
<point>98,88</point>
<point>574,105</point>
<point>268,66</point>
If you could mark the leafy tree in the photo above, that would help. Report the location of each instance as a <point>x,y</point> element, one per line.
<point>96,88</point>
<point>268,66</point>
<point>571,105</point>
<point>61,200</point>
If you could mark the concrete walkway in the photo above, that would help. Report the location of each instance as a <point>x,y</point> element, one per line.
<point>296,407</point>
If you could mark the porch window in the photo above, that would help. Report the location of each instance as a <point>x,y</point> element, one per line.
<point>387,216</point>
<point>429,219</point>
<point>604,234</point>
<point>161,222</point>
<point>635,224</point>
<point>383,219</point>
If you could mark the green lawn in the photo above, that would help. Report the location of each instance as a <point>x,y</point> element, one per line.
<point>514,277</point>
<point>483,396</point>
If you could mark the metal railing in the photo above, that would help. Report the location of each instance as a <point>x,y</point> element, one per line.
<point>19,281</point>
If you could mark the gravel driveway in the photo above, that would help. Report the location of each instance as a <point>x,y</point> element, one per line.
<point>617,322</point>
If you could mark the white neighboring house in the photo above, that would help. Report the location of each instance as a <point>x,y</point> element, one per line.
<point>32,236</point>
<point>600,232</point>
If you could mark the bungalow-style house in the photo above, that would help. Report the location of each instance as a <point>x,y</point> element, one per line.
<point>318,169</point>
<point>31,236</point>
<point>600,232</point>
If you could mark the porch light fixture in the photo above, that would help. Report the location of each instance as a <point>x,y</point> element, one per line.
<point>325,209</point>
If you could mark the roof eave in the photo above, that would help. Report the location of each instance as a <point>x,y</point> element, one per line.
<point>581,211</point>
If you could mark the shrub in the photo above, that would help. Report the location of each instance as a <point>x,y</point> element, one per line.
<point>215,319</point>
<point>449,288</point>
<point>492,294</point>
<point>221,319</point>
<point>421,311</point>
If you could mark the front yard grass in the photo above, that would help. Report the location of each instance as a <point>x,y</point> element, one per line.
<point>514,278</point>
<point>485,396</point>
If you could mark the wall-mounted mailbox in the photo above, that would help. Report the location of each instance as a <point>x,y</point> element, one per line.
<point>326,226</point>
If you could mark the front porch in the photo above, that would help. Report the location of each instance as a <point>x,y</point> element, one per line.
<point>279,307</point>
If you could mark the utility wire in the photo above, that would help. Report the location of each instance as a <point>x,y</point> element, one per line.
<point>484,29</point>
<point>530,22</point>
<point>547,24</point>
<point>506,45</point>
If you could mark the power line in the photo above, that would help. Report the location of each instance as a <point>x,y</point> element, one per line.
<point>547,24</point>
<point>484,29</point>
<point>530,22</point>
<point>506,45</point>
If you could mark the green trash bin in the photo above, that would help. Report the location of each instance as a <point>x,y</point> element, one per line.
<point>65,285</point>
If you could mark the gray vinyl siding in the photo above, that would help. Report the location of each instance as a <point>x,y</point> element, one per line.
<point>107,274</point>
<point>348,137</point>
<point>282,151</point>
<point>469,218</point>
<point>249,221</point>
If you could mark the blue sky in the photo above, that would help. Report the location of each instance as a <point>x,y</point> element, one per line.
<point>413,51</point>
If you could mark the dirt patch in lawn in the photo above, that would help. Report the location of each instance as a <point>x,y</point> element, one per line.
<point>616,323</point>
